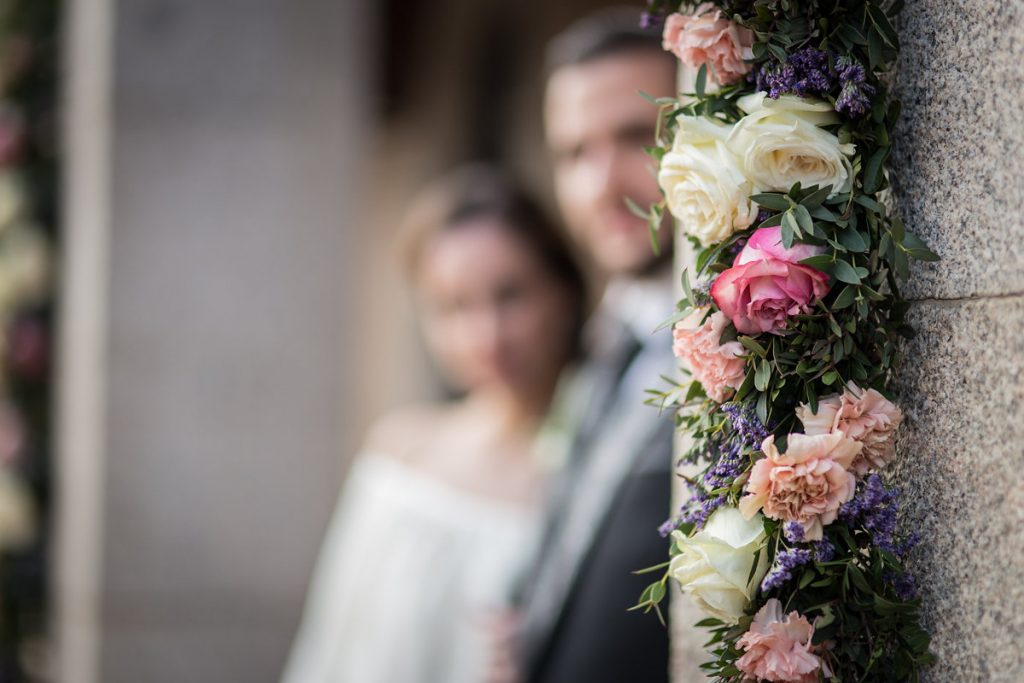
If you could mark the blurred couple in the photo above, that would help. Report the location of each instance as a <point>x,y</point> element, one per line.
<point>492,539</point>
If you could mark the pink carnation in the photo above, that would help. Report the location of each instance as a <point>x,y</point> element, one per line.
<point>778,647</point>
<point>706,37</point>
<point>806,484</point>
<point>864,416</point>
<point>718,367</point>
<point>767,285</point>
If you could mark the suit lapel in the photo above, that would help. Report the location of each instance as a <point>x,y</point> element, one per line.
<point>617,436</point>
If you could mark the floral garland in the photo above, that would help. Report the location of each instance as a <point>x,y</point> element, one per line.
<point>775,168</point>
<point>28,65</point>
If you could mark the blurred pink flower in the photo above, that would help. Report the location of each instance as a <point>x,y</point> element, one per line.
<point>778,647</point>
<point>718,367</point>
<point>706,37</point>
<point>862,415</point>
<point>767,284</point>
<point>806,484</point>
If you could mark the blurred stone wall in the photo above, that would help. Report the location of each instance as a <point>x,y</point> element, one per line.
<point>238,157</point>
<point>959,180</point>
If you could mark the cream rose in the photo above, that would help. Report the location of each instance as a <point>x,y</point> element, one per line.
<point>704,186</point>
<point>714,564</point>
<point>781,142</point>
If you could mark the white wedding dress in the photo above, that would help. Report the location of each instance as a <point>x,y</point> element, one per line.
<point>408,571</point>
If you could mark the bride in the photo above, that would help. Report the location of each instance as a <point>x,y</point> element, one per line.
<point>439,515</point>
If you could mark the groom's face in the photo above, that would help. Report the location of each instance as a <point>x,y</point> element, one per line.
<point>596,126</point>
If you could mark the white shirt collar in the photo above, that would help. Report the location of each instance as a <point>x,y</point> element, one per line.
<point>640,303</point>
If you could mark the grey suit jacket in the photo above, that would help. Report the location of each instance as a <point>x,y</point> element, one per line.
<point>608,502</point>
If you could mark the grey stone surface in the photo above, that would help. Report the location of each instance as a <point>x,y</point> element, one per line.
<point>959,171</point>
<point>238,150</point>
<point>961,463</point>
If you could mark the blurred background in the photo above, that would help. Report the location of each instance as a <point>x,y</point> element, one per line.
<point>201,306</point>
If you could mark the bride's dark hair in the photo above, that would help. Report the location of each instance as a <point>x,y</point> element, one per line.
<point>480,191</point>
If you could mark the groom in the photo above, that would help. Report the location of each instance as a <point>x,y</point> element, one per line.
<point>614,490</point>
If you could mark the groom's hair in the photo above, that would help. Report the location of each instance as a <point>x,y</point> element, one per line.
<point>605,33</point>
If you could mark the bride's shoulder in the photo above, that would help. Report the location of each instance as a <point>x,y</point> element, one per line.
<point>403,433</point>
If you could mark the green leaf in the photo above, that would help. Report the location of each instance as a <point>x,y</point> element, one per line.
<point>789,229</point>
<point>752,344</point>
<point>762,375</point>
<point>845,298</point>
<point>803,219</point>
<point>844,272</point>
<point>823,214</point>
<point>636,209</point>
<point>761,409</point>
<point>775,202</point>
<point>875,41</point>
<point>852,34</point>
<point>830,377</point>
<point>857,576</point>
<point>702,80</point>
<point>897,230</point>
<point>853,240</point>
<point>823,261</point>
<point>817,197</point>
<point>686,287</point>
<point>873,170</point>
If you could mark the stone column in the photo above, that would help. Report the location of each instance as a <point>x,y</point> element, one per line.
<point>214,396</point>
<point>959,180</point>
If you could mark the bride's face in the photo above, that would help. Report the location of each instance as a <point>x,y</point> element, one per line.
<point>492,315</point>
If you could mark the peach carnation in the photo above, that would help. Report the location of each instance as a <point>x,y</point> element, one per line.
<point>718,367</point>
<point>778,647</point>
<point>706,37</point>
<point>806,484</point>
<point>862,415</point>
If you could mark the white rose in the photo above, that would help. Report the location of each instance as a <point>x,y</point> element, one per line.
<point>714,564</point>
<point>705,189</point>
<point>781,142</point>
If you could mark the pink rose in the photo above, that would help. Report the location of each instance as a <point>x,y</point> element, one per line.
<point>718,367</point>
<point>767,285</point>
<point>864,416</point>
<point>806,484</point>
<point>778,647</point>
<point>706,37</point>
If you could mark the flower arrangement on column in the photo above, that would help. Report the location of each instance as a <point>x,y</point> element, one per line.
<point>774,167</point>
<point>28,122</point>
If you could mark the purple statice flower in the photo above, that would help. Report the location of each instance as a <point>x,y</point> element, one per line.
<point>824,551</point>
<point>763,215</point>
<point>814,73</point>
<point>782,569</point>
<point>854,99</point>
<point>700,506</point>
<point>724,472</point>
<point>668,526</point>
<point>793,531</point>
<point>875,508</point>
<point>701,293</point>
<point>806,73</point>
<point>651,20</point>
<point>747,428</point>
<point>904,584</point>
